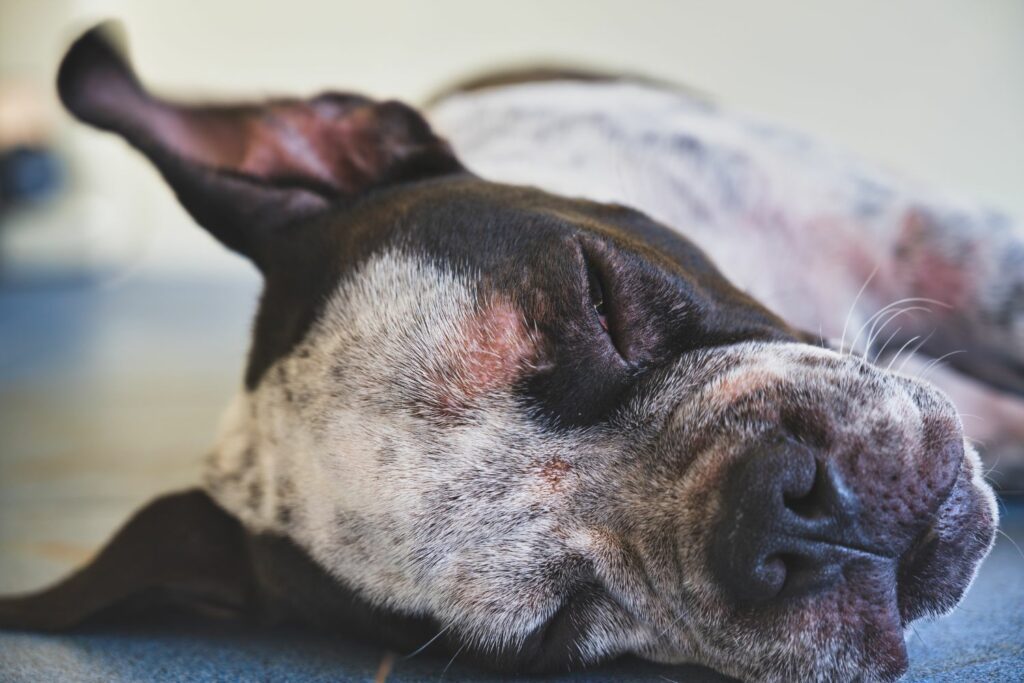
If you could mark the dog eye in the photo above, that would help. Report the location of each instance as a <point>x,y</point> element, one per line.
<point>597,300</point>
<point>604,310</point>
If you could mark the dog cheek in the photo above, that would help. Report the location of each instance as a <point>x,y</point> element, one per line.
<point>489,352</point>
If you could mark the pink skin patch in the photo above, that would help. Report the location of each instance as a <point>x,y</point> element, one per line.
<point>934,274</point>
<point>740,383</point>
<point>494,347</point>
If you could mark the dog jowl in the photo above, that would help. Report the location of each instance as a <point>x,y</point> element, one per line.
<point>544,430</point>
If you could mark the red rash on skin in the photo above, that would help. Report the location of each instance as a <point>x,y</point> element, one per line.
<point>495,346</point>
<point>736,384</point>
<point>935,275</point>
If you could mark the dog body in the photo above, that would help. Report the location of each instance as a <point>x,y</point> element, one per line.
<point>871,261</point>
<point>545,431</point>
<point>443,444</point>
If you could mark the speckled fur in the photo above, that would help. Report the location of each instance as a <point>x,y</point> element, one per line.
<point>484,522</point>
<point>799,225</point>
<point>443,446</point>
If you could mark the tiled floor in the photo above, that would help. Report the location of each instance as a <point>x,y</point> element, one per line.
<point>110,393</point>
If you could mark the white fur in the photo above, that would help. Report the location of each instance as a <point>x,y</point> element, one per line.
<point>463,521</point>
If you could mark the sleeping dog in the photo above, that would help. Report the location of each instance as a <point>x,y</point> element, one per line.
<point>535,430</point>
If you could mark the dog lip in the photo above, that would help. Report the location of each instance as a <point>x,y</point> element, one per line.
<point>963,522</point>
<point>929,533</point>
<point>912,557</point>
<point>852,548</point>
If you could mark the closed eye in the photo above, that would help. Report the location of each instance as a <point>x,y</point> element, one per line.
<point>597,300</point>
<point>602,307</point>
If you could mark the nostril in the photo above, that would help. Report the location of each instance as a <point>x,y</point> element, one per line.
<point>789,523</point>
<point>813,503</point>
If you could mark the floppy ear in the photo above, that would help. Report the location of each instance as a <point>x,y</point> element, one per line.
<point>180,551</point>
<point>245,171</point>
<point>184,553</point>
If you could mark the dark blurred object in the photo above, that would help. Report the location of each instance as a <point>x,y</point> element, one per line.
<point>27,174</point>
<point>30,170</point>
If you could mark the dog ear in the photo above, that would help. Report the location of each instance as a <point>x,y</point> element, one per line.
<point>245,171</point>
<point>181,551</point>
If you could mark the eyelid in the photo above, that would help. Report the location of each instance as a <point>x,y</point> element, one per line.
<point>597,286</point>
<point>597,293</point>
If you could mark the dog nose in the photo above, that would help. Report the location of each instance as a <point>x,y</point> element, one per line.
<point>789,525</point>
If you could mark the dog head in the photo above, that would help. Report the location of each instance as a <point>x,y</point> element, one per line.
<point>549,426</point>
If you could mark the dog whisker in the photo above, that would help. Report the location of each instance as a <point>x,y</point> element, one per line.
<point>884,346</point>
<point>896,356</point>
<point>913,352</point>
<point>1012,542</point>
<point>670,626</point>
<point>993,466</point>
<point>906,300</point>
<point>452,661</point>
<point>937,361</point>
<point>853,306</point>
<point>427,644</point>
<point>919,638</point>
<point>873,333</point>
<point>889,319</point>
<point>873,320</point>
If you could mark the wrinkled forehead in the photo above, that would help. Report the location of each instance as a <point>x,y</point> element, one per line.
<point>519,242</point>
<point>482,227</point>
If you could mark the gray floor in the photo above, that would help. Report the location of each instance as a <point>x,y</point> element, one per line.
<point>110,393</point>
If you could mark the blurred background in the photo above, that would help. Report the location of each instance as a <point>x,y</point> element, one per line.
<point>123,326</point>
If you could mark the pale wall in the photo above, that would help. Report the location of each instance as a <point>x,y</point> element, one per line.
<point>933,88</point>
